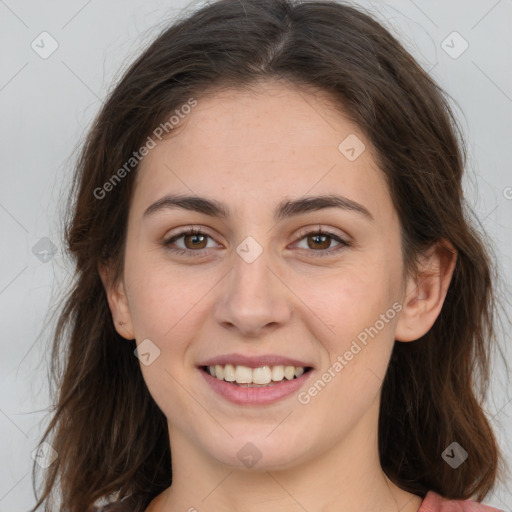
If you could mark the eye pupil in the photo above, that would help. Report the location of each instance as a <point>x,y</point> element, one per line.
<point>318,237</point>
<point>194,237</point>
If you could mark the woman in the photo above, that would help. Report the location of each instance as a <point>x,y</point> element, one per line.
<point>268,213</point>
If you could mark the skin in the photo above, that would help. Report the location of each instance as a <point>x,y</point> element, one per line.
<point>250,150</point>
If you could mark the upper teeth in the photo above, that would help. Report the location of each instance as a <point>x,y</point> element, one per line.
<point>261,375</point>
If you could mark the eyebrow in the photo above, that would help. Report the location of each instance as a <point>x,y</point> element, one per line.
<point>285,209</point>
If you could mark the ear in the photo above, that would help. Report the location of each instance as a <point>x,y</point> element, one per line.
<point>425,293</point>
<point>118,303</point>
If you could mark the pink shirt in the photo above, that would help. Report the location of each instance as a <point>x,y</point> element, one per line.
<point>433,502</point>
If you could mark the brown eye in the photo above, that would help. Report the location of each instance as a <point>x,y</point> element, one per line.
<point>319,241</point>
<point>195,241</point>
<point>192,242</point>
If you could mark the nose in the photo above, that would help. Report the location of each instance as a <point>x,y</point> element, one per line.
<point>253,300</point>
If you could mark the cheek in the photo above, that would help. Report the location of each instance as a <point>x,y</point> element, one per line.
<point>358,354</point>
<point>163,298</point>
<point>346,303</point>
<point>358,309</point>
<point>165,306</point>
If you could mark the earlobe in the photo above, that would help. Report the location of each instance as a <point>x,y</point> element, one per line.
<point>425,294</point>
<point>118,304</point>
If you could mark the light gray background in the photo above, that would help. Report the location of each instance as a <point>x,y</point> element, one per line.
<point>48,104</point>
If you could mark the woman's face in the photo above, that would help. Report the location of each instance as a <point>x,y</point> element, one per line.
<point>261,286</point>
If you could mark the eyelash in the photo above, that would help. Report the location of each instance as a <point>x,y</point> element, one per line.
<point>199,252</point>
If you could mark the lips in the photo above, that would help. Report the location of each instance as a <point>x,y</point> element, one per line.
<point>252,380</point>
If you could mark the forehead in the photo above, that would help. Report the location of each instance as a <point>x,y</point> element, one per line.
<point>263,144</point>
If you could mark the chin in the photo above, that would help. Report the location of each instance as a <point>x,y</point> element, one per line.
<point>259,453</point>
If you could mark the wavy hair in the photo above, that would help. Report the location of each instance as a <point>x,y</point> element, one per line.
<point>434,387</point>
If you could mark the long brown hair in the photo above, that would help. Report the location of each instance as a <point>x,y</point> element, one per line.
<point>434,387</point>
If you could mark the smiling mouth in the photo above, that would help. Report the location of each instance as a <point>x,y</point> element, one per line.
<point>263,376</point>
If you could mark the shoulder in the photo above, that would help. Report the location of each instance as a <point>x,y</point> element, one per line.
<point>434,502</point>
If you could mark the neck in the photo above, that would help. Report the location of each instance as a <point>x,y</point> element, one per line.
<point>357,484</point>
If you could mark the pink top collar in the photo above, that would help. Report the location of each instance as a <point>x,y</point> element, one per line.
<point>433,502</point>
